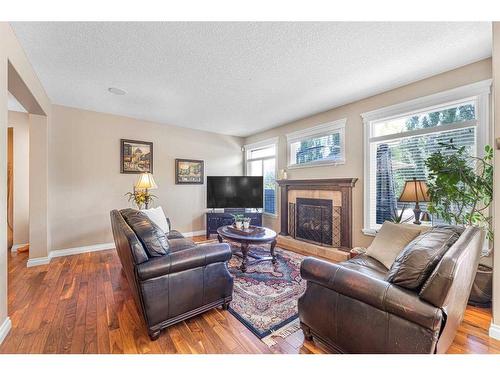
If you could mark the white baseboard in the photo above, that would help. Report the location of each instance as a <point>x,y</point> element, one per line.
<point>71,251</point>
<point>15,247</point>
<point>195,233</point>
<point>5,328</point>
<point>87,249</point>
<point>32,262</point>
<point>81,250</point>
<point>495,331</point>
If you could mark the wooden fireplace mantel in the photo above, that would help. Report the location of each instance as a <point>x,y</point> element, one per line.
<point>315,182</point>
<point>344,185</point>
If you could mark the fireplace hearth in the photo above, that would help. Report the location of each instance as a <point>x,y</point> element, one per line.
<point>313,220</point>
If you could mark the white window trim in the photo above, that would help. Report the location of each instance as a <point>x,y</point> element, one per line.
<point>318,131</point>
<point>261,144</point>
<point>480,91</point>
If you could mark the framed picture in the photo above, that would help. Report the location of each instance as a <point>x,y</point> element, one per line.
<point>136,156</point>
<point>189,171</point>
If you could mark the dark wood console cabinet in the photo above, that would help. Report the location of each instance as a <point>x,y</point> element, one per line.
<point>215,220</point>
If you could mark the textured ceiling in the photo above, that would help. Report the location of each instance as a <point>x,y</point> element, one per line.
<point>239,78</point>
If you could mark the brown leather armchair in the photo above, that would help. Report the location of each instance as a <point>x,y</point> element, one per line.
<point>189,280</point>
<point>351,308</point>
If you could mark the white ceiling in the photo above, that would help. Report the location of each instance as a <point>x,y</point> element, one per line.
<point>239,78</point>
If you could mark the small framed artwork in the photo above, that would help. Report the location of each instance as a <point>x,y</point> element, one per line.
<point>136,156</point>
<point>189,171</point>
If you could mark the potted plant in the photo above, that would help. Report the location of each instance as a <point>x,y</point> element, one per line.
<point>397,216</point>
<point>461,187</point>
<point>238,220</point>
<point>246,222</point>
<point>461,192</point>
<point>141,198</point>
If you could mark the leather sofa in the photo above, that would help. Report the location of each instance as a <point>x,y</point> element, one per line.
<point>188,280</point>
<point>351,307</point>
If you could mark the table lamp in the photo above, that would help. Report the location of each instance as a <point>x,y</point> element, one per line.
<point>415,191</point>
<point>146,182</point>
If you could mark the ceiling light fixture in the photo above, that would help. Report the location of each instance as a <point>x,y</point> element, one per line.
<point>117,91</point>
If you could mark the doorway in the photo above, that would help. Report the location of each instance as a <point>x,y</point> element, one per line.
<point>17,177</point>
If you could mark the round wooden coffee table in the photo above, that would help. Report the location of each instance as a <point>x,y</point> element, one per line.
<point>268,236</point>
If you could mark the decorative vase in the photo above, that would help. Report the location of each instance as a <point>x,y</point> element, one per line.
<point>238,224</point>
<point>246,224</point>
<point>283,174</point>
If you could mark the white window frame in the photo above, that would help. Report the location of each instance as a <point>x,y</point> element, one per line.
<point>262,144</point>
<point>478,92</point>
<point>320,130</point>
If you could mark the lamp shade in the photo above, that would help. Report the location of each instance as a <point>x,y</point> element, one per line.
<point>146,181</point>
<point>415,191</point>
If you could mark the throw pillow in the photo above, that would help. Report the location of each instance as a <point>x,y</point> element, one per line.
<point>152,237</point>
<point>416,262</point>
<point>390,241</point>
<point>157,216</point>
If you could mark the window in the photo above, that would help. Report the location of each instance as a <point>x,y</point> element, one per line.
<point>261,161</point>
<point>320,145</point>
<point>398,144</point>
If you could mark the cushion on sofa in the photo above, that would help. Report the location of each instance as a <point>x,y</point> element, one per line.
<point>421,228</point>
<point>390,241</point>
<point>416,262</point>
<point>152,237</point>
<point>157,216</point>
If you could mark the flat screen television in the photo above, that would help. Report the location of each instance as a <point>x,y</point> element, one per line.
<point>235,192</point>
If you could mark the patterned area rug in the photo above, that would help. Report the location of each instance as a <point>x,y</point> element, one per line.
<point>265,297</point>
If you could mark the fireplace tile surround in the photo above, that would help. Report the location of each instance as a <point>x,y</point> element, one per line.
<point>338,192</point>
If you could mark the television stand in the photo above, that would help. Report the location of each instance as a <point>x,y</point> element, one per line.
<point>215,220</point>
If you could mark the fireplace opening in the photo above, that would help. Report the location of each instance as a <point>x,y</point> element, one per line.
<point>313,220</point>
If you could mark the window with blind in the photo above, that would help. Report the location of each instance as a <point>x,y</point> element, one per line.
<point>398,147</point>
<point>261,161</point>
<point>322,144</point>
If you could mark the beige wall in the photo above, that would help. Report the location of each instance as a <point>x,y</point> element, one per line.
<point>39,234</point>
<point>354,133</point>
<point>20,122</point>
<point>11,51</point>
<point>85,182</point>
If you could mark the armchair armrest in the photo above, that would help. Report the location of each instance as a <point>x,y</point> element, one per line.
<point>372,291</point>
<point>193,257</point>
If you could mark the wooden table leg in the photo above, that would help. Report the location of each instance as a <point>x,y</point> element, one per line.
<point>273,254</point>
<point>244,252</point>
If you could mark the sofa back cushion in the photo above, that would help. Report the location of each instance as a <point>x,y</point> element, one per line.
<point>390,241</point>
<point>152,237</point>
<point>418,259</point>
<point>157,216</point>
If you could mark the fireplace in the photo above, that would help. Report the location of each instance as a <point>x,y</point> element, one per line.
<point>314,220</point>
<point>317,212</point>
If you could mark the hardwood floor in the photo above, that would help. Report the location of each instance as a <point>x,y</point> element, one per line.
<point>82,304</point>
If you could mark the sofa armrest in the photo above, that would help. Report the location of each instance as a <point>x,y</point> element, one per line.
<point>372,291</point>
<point>193,257</point>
